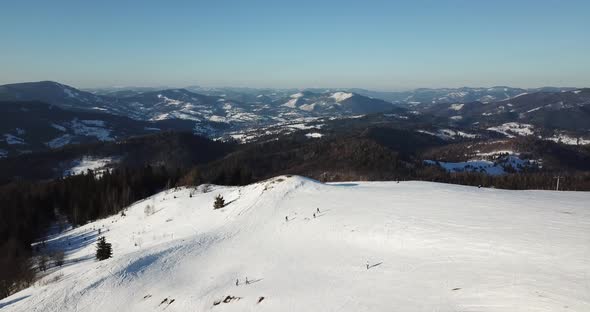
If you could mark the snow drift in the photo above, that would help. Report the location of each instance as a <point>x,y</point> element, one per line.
<point>373,246</point>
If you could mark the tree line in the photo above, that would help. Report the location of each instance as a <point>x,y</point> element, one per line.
<point>28,208</point>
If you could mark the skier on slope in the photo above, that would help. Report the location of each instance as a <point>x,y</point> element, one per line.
<point>318,210</point>
<point>314,215</point>
<point>247,282</point>
<point>237,282</point>
<point>287,218</point>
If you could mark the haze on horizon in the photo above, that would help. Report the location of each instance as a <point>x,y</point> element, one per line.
<point>380,45</point>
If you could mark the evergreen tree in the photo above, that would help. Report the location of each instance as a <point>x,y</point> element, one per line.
<point>219,202</point>
<point>103,249</point>
<point>42,263</point>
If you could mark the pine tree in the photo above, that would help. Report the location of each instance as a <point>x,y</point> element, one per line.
<point>219,202</point>
<point>103,249</point>
<point>43,263</point>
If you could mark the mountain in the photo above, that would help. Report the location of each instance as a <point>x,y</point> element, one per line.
<point>547,112</point>
<point>339,103</point>
<point>119,92</point>
<point>183,104</point>
<point>30,126</point>
<point>222,111</point>
<point>427,96</point>
<point>174,252</point>
<point>248,115</point>
<point>52,93</point>
<point>172,150</point>
<point>255,107</point>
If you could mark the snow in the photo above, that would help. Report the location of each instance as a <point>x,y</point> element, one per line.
<point>69,92</point>
<point>487,99</point>
<point>308,107</point>
<point>292,103</point>
<point>496,167</point>
<point>513,128</point>
<point>430,247</point>
<point>216,118</point>
<point>96,123</point>
<point>303,126</point>
<point>483,166</point>
<point>466,135</point>
<point>163,116</point>
<point>456,107</point>
<point>60,141</point>
<point>458,117</point>
<point>448,134</point>
<point>91,128</point>
<point>13,140</point>
<point>577,91</point>
<point>498,152</point>
<point>86,163</point>
<point>396,116</point>
<point>460,94</point>
<point>169,101</point>
<point>426,132</point>
<point>569,140</point>
<point>534,109</point>
<point>58,127</point>
<point>314,135</point>
<point>341,96</point>
<point>518,95</point>
<point>3,153</point>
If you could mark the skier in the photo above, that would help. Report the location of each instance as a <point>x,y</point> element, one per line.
<point>314,215</point>
<point>367,265</point>
<point>318,210</point>
<point>237,282</point>
<point>247,282</point>
<point>287,218</point>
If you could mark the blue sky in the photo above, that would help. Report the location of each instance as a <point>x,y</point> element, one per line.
<point>384,45</point>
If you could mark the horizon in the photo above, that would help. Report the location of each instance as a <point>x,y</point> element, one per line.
<point>375,45</point>
<point>163,87</point>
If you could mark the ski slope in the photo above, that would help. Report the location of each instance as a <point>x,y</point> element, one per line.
<point>429,247</point>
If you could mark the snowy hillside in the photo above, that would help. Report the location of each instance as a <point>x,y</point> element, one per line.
<point>374,246</point>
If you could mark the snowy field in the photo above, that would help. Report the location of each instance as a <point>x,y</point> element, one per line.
<point>496,167</point>
<point>374,246</point>
<point>81,166</point>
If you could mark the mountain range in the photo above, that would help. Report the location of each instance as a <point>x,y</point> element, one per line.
<point>45,115</point>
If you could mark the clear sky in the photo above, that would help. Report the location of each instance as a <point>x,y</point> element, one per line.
<point>384,45</point>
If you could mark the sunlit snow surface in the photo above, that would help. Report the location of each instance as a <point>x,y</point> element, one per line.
<point>81,166</point>
<point>512,129</point>
<point>429,247</point>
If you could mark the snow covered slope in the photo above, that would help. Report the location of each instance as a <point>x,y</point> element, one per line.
<point>374,246</point>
